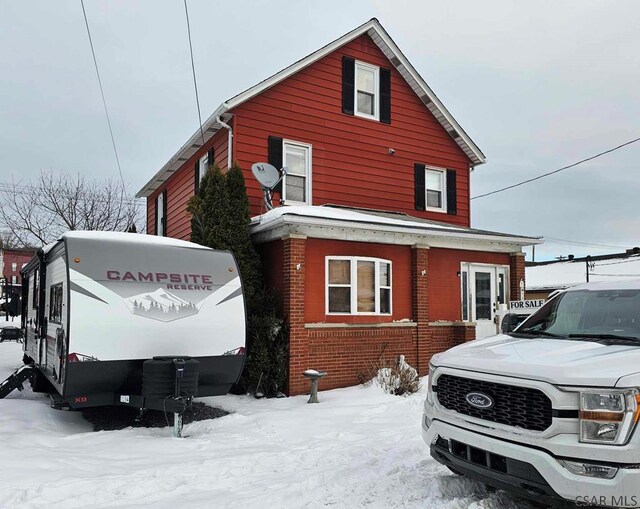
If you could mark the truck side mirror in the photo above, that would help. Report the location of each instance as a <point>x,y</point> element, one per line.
<point>510,322</point>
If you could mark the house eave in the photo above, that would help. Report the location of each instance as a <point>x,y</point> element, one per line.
<point>382,39</point>
<point>332,229</point>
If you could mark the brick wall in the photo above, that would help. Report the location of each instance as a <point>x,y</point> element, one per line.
<point>419,277</point>
<point>516,272</point>
<point>449,334</point>
<point>293,276</point>
<point>346,352</point>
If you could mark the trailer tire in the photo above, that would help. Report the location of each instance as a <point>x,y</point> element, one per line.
<point>39,383</point>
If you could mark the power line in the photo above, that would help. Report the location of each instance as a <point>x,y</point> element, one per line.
<point>104,102</point>
<point>555,171</point>
<point>588,244</point>
<point>193,69</point>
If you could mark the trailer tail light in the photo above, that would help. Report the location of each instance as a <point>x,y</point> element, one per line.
<point>72,357</point>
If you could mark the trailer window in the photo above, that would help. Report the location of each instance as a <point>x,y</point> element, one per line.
<point>55,303</point>
<point>36,288</point>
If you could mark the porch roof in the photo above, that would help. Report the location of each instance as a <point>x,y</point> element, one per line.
<point>364,225</point>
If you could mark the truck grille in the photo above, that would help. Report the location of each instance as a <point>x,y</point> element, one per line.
<point>521,407</point>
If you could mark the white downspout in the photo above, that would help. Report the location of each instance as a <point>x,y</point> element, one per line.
<point>230,138</point>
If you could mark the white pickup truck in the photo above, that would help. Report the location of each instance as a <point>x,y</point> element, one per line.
<point>549,410</point>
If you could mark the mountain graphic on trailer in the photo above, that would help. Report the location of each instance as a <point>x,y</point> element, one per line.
<point>160,305</point>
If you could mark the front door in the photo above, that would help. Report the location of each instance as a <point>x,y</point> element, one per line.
<point>487,286</point>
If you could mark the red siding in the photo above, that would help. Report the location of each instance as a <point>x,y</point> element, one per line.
<point>315,253</point>
<point>181,186</point>
<point>350,163</point>
<point>444,283</point>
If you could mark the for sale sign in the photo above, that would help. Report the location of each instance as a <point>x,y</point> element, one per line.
<point>526,306</point>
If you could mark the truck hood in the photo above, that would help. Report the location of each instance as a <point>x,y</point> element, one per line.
<point>557,361</point>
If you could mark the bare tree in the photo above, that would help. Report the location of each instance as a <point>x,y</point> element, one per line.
<point>40,211</point>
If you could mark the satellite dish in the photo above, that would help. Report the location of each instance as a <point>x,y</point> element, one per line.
<point>267,174</point>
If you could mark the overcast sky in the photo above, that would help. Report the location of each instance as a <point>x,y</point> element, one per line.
<point>537,85</point>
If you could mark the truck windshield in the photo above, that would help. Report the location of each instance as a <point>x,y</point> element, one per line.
<point>601,314</point>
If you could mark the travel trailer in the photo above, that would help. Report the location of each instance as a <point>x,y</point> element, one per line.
<point>128,319</point>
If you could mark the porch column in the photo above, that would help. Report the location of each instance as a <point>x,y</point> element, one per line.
<point>293,281</point>
<point>420,276</point>
<point>516,271</point>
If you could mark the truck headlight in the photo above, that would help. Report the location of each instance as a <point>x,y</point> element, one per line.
<point>608,417</point>
<point>432,370</point>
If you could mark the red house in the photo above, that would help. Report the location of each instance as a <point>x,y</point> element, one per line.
<point>371,250</point>
<point>11,262</point>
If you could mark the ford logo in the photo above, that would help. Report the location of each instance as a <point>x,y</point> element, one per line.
<point>479,400</point>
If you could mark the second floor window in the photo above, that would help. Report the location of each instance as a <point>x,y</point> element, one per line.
<point>358,285</point>
<point>296,157</point>
<point>14,266</point>
<point>161,214</point>
<point>367,90</point>
<point>202,167</point>
<point>435,189</point>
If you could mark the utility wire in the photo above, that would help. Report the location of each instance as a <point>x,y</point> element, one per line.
<point>193,69</point>
<point>555,171</point>
<point>584,243</point>
<point>104,102</point>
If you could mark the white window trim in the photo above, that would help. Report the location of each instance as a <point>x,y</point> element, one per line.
<point>376,87</point>
<point>443,176</point>
<point>202,167</point>
<point>160,225</point>
<point>354,285</point>
<point>309,167</point>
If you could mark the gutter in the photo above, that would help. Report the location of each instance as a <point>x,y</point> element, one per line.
<point>230,138</point>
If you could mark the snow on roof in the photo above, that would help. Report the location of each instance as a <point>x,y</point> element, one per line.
<point>392,220</point>
<point>344,214</point>
<point>387,45</point>
<point>129,238</point>
<point>571,273</point>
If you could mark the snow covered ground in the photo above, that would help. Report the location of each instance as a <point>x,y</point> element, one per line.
<point>358,448</point>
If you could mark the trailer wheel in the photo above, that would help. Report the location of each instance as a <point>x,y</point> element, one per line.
<point>39,383</point>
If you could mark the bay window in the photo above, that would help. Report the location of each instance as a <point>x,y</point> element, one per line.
<point>358,285</point>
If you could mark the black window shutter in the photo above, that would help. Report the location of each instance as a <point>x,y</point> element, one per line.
<point>196,176</point>
<point>419,186</point>
<point>348,84</point>
<point>385,96</point>
<point>275,157</point>
<point>452,194</point>
<point>164,213</point>
<point>211,157</point>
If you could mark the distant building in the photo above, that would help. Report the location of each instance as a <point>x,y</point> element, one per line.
<point>11,262</point>
<point>542,278</point>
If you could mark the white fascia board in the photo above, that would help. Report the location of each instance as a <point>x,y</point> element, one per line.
<point>183,154</point>
<point>387,234</point>
<point>480,157</point>
<point>301,64</point>
<point>376,31</point>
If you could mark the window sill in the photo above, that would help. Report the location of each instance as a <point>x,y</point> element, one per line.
<point>325,325</point>
<point>432,209</point>
<point>444,323</point>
